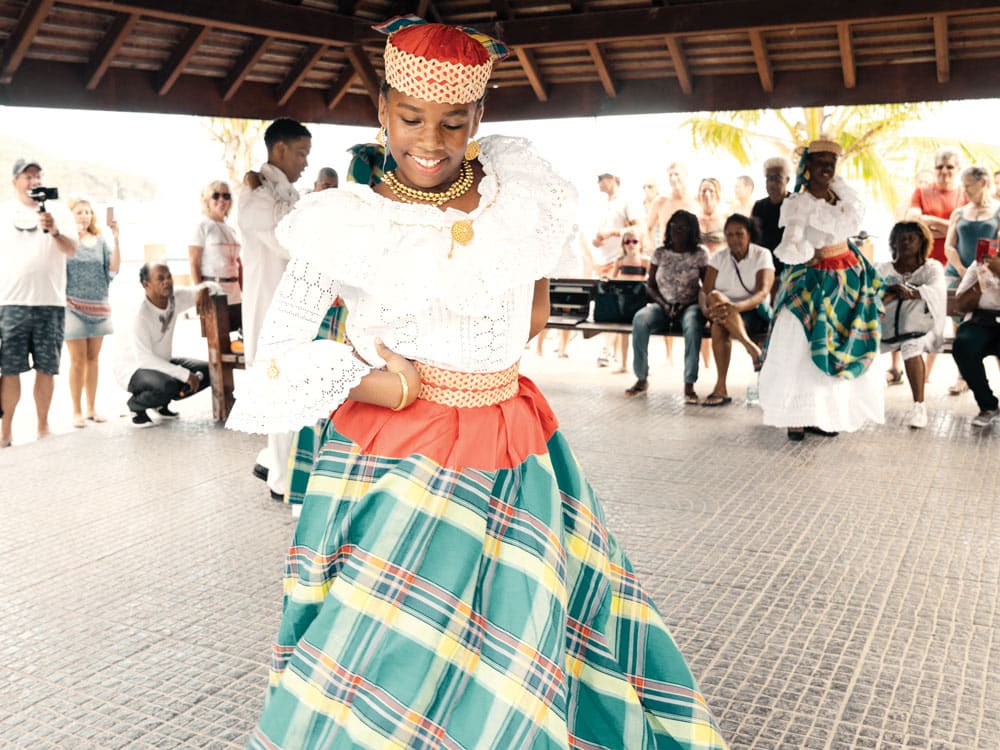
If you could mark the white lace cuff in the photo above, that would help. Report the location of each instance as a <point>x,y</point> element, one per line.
<point>297,389</point>
<point>295,380</point>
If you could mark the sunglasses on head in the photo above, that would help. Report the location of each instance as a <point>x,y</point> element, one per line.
<point>224,196</point>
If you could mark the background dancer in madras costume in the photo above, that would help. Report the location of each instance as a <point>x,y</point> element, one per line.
<point>445,589</point>
<point>817,370</point>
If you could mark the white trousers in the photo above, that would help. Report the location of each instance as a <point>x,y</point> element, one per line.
<point>275,459</point>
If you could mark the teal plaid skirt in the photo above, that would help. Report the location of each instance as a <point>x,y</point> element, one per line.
<point>428,608</point>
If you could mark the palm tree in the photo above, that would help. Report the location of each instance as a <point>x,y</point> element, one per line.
<point>238,138</point>
<point>877,149</point>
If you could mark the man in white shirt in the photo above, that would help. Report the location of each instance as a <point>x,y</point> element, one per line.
<point>266,196</point>
<point>33,252</point>
<point>144,363</point>
<point>607,243</point>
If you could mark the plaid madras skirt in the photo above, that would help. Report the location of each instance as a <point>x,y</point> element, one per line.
<point>428,607</point>
<point>839,304</point>
<point>308,441</point>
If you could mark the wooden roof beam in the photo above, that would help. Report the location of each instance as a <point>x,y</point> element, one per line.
<point>364,69</point>
<point>336,95</point>
<point>297,75</point>
<point>676,49</point>
<point>847,55</point>
<point>250,57</point>
<point>603,71</point>
<point>502,9</point>
<point>530,68</point>
<point>688,18</point>
<point>346,7</point>
<point>295,23</point>
<point>426,9</point>
<point>941,50</point>
<point>182,56</point>
<point>764,70</point>
<point>113,40</point>
<point>21,38</point>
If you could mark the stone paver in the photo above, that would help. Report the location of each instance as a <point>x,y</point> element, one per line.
<point>837,593</point>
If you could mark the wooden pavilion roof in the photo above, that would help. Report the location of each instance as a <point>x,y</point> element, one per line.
<point>319,60</point>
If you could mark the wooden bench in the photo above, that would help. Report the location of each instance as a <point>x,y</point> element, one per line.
<point>569,299</point>
<point>216,326</point>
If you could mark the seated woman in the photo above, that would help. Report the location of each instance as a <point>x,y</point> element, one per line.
<point>675,274</point>
<point>913,274</point>
<point>978,337</point>
<point>737,281</point>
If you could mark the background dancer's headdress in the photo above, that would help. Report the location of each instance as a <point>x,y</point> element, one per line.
<point>436,62</point>
<point>819,146</point>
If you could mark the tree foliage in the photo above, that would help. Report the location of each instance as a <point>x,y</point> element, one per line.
<point>877,148</point>
<point>238,138</point>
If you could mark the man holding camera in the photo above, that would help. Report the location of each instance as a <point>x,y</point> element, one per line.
<point>33,252</point>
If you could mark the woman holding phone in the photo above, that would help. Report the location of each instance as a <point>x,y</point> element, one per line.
<point>88,311</point>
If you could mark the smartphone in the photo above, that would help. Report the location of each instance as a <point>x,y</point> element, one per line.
<point>985,247</point>
<point>110,215</point>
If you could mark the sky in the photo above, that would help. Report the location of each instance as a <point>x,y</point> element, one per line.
<point>180,156</point>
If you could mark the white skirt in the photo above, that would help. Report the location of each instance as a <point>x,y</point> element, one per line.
<point>794,392</point>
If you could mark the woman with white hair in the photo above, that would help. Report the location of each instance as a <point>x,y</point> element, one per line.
<point>214,250</point>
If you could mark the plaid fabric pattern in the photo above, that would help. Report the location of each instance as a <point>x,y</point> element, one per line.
<point>428,608</point>
<point>309,439</point>
<point>840,310</point>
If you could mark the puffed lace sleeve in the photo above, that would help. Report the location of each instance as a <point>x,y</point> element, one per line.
<point>296,380</point>
<point>811,223</point>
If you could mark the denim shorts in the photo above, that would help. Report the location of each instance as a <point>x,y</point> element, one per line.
<point>78,327</point>
<point>31,330</point>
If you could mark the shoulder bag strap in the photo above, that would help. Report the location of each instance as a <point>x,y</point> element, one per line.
<point>739,276</point>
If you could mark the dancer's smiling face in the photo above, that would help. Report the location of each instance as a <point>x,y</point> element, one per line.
<point>427,139</point>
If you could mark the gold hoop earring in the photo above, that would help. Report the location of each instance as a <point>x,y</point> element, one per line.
<point>472,150</point>
<point>380,137</point>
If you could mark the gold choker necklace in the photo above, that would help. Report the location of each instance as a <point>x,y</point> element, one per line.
<point>412,195</point>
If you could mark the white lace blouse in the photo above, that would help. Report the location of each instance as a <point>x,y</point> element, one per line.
<point>403,279</point>
<point>811,222</point>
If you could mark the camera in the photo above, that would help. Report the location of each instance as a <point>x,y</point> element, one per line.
<point>42,194</point>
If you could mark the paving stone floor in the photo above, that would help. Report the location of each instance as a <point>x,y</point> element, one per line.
<point>837,593</point>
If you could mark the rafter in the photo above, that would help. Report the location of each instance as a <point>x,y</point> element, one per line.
<point>676,49</point>
<point>365,70</point>
<point>426,9</point>
<point>250,57</point>
<point>17,44</point>
<point>941,50</point>
<point>336,94</point>
<point>846,45</point>
<point>530,68</point>
<point>717,17</point>
<point>759,47</point>
<point>178,61</point>
<point>313,54</point>
<point>257,17</point>
<point>603,71</point>
<point>502,9</point>
<point>113,40</point>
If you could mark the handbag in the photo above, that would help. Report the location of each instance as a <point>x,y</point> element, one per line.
<point>906,319</point>
<point>617,301</point>
<point>763,309</point>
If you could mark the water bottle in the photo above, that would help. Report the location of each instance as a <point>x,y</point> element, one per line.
<point>753,394</point>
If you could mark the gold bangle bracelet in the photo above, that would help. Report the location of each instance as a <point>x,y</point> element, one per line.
<point>406,392</point>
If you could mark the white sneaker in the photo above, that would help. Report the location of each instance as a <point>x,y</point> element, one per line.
<point>918,417</point>
<point>985,418</point>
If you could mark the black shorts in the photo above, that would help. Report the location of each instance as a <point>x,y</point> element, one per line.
<point>31,330</point>
<point>755,324</point>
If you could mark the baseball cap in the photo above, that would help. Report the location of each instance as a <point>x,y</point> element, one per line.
<point>22,164</point>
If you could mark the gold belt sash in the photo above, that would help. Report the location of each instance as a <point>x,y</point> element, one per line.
<point>830,250</point>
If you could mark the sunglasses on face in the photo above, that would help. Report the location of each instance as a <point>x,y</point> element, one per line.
<point>224,196</point>
<point>630,242</point>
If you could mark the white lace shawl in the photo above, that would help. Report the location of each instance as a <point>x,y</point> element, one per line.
<point>811,222</point>
<point>389,262</point>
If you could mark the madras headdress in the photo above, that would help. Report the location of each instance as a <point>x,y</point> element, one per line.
<point>436,62</point>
